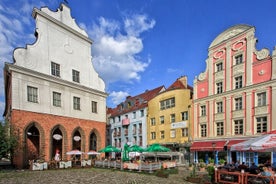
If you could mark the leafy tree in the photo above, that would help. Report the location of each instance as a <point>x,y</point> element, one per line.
<point>8,141</point>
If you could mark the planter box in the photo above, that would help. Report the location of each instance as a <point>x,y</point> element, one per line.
<point>37,166</point>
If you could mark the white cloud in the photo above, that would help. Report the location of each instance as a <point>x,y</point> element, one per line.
<point>137,24</point>
<point>118,97</point>
<point>117,47</point>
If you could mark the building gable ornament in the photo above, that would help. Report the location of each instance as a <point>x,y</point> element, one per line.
<point>261,72</point>
<point>63,14</point>
<point>238,45</point>
<point>262,54</point>
<point>67,46</point>
<point>202,76</point>
<point>219,54</point>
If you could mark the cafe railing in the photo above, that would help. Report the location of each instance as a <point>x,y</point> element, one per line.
<point>241,177</point>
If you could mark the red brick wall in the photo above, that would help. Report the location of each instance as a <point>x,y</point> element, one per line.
<point>46,123</point>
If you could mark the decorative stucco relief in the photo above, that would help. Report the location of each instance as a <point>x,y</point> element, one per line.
<point>261,72</point>
<point>202,119</point>
<point>238,113</point>
<point>219,116</point>
<point>238,45</point>
<point>67,46</point>
<point>262,54</point>
<point>202,76</point>
<point>238,69</point>
<point>261,110</point>
<point>219,54</point>
<point>219,75</point>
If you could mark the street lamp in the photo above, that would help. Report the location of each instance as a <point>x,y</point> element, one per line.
<point>214,146</point>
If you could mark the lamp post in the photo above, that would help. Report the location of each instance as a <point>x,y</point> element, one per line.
<point>214,146</point>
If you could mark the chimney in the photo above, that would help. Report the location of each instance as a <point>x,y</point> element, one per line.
<point>183,79</point>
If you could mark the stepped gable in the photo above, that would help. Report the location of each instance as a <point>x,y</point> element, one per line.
<point>136,102</point>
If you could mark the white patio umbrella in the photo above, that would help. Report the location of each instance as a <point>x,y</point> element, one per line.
<point>74,152</point>
<point>264,143</point>
<point>92,152</point>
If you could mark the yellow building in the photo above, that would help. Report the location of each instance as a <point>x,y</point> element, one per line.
<point>170,116</point>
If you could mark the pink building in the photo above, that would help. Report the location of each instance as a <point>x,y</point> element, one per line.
<point>235,98</point>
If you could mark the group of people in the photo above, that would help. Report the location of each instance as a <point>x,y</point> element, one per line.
<point>265,170</point>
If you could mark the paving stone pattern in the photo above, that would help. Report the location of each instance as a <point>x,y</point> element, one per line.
<point>86,176</point>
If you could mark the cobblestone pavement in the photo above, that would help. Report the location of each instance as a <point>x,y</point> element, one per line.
<point>86,176</point>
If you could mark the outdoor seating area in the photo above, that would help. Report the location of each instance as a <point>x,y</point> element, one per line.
<point>136,166</point>
<point>253,175</point>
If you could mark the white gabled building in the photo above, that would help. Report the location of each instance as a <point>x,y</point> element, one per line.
<point>55,100</point>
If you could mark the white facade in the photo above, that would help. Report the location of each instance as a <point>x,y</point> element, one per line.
<point>133,134</point>
<point>70,48</point>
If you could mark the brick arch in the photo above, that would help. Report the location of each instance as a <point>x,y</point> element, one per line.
<point>64,140</point>
<point>99,140</point>
<point>41,141</point>
<point>82,133</point>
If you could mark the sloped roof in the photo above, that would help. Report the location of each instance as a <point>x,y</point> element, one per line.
<point>178,85</point>
<point>136,102</point>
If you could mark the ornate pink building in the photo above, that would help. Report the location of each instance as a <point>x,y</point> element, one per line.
<point>235,98</point>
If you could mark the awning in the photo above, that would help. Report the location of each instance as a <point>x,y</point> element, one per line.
<point>208,146</point>
<point>232,142</point>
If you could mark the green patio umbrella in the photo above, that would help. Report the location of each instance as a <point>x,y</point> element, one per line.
<point>157,148</point>
<point>136,148</point>
<point>109,149</point>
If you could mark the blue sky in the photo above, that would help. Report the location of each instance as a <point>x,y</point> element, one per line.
<point>142,44</point>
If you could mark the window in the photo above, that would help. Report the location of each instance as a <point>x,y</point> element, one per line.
<point>134,115</point>
<point>203,110</point>
<point>184,116</point>
<point>94,106</point>
<point>172,133</point>
<point>238,82</point>
<point>261,99</point>
<point>32,94</point>
<point>184,132</point>
<point>162,134</point>
<point>261,124</point>
<point>75,76</point>
<point>219,107</point>
<point>172,118</point>
<point>153,135</point>
<point>238,103</point>
<point>76,101</point>
<point>152,121</point>
<point>238,127</point>
<point>220,129</point>
<point>238,59</point>
<point>55,69</point>
<point>162,121</point>
<point>219,87</point>
<point>142,113</point>
<point>219,67</point>
<point>203,130</point>
<point>56,99</point>
<point>134,129</point>
<point>166,104</point>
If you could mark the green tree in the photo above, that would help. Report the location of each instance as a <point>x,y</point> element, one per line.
<point>8,141</point>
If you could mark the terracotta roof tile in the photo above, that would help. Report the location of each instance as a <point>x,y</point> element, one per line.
<point>136,102</point>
